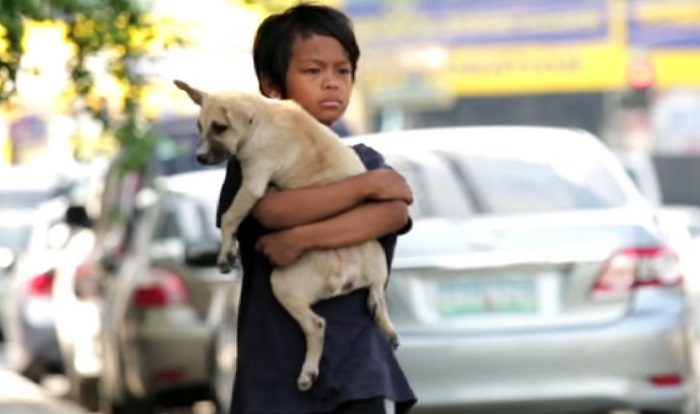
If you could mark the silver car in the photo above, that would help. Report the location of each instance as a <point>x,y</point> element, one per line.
<point>163,303</point>
<point>550,291</point>
<point>28,309</point>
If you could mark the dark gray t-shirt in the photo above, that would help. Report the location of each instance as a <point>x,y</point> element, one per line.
<point>358,361</point>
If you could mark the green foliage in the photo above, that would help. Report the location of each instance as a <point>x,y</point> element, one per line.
<point>119,29</point>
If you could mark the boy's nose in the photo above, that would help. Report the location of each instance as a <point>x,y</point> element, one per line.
<point>330,82</point>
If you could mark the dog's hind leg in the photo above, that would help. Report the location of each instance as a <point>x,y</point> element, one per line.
<point>376,302</point>
<point>313,326</point>
<point>375,274</point>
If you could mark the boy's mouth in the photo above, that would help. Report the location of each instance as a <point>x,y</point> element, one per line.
<point>331,104</point>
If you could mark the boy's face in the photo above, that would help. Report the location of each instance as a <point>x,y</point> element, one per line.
<point>319,77</point>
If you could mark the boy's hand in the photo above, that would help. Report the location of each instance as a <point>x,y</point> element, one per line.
<point>282,248</point>
<point>388,185</point>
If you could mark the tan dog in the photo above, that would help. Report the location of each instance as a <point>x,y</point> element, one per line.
<point>278,142</point>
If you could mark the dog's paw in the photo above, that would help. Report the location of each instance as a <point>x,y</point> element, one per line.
<point>224,264</point>
<point>226,261</point>
<point>224,267</point>
<point>394,341</point>
<point>232,256</point>
<point>306,380</point>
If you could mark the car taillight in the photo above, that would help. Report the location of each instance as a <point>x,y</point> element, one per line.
<point>41,285</point>
<point>162,288</point>
<point>637,267</point>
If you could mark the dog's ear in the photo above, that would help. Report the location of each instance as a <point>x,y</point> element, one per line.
<point>196,95</point>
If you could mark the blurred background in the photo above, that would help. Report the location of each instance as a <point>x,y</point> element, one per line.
<point>106,220</point>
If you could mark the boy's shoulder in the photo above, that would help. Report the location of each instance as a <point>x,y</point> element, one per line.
<point>369,156</point>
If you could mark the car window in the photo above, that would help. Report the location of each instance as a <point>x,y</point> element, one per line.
<point>436,190</point>
<point>168,225</point>
<point>174,154</point>
<point>509,185</point>
<point>186,218</point>
<point>411,171</point>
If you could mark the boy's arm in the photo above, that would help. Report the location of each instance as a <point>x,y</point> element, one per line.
<point>366,222</point>
<point>291,208</point>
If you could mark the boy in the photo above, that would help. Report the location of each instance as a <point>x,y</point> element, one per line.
<point>309,54</point>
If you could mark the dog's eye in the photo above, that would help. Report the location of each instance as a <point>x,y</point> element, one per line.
<point>218,128</point>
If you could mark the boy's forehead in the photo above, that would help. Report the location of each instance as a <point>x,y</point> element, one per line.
<point>317,47</point>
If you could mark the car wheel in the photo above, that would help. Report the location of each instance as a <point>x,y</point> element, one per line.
<point>224,359</point>
<point>34,371</point>
<point>84,392</point>
<point>128,406</point>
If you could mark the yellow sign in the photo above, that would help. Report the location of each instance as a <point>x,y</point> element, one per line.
<point>529,46</point>
<point>508,70</point>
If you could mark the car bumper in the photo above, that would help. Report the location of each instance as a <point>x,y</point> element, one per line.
<point>40,344</point>
<point>582,369</point>
<point>174,353</point>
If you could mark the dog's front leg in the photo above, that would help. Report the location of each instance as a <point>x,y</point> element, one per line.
<point>250,192</point>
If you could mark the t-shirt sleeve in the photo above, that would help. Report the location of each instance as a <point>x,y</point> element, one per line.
<point>232,182</point>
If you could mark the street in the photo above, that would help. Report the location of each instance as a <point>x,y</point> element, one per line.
<point>18,395</point>
<point>21,396</point>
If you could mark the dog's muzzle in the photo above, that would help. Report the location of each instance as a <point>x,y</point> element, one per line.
<point>210,154</point>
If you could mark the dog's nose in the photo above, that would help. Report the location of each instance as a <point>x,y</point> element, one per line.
<point>202,159</point>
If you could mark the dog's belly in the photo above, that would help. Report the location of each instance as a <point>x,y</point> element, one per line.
<point>322,274</point>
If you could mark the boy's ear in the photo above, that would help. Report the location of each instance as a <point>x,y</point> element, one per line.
<point>196,95</point>
<point>269,88</point>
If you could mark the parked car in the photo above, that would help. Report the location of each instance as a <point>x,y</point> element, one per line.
<point>105,218</point>
<point>15,232</point>
<point>535,278</point>
<point>165,299</point>
<point>28,318</point>
<point>76,289</point>
<point>33,204</point>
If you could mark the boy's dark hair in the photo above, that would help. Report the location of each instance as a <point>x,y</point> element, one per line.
<point>272,49</point>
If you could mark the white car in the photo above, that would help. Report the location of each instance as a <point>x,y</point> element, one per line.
<point>28,319</point>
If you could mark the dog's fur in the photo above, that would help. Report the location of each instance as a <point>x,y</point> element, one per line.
<point>277,142</point>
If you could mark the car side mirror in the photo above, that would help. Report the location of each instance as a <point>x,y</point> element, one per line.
<point>202,253</point>
<point>78,216</point>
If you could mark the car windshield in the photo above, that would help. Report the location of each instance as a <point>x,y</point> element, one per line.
<point>175,149</point>
<point>522,185</point>
<point>14,238</point>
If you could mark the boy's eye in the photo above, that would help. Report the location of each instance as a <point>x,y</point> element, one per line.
<point>312,71</point>
<point>218,128</point>
<point>344,71</point>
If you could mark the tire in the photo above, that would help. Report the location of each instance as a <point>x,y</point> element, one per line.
<point>34,371</point>
<point>84,391</point>
<point>128,406</point>
<point>133,407</point>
